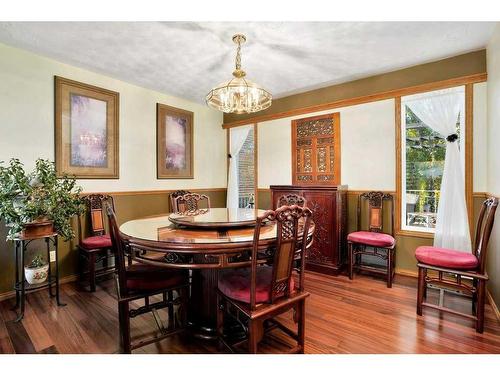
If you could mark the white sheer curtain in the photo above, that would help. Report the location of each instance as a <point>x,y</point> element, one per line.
<point>237,138</point>
<point>440,110</point>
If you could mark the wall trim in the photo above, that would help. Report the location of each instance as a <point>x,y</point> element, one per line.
<point>64,280</point>
<point>493,305</point>
<point>147,192</point>
<point>384,95</point>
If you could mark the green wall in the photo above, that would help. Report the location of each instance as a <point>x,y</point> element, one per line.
<point>405,245</point>
<point>127,206</point>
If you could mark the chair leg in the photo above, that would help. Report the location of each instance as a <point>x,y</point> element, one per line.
<point>124,318</point>
<point>92,271</point>
<point>389,268</point>
<point>220,320</point>
<point>420,291</point>
<point>170,309</point>
<point>184,296</point>
<point>350,259</point>
<point>302,325</point>
<point>252,336</point>
<point>481,285</point>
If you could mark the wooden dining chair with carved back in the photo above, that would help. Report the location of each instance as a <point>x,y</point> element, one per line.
<point>463,266</point>
<point>153,284</point>
<point>292,199</point>
<point>95,248</point>
<point>173,196</point>
<point>262,292</point>
<point>191,202</point>
<point>373,242</point>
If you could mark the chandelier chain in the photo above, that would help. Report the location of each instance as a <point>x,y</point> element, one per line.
<point>238,56</point>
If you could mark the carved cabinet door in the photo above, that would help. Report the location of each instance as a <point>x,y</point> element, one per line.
<point>316,150</point>
<point>324,249</point>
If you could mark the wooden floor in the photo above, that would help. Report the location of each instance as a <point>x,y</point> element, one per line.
<point>343,316</point>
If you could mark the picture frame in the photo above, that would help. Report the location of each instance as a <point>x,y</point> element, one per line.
<point>174,143</point>
<point>86,130</point>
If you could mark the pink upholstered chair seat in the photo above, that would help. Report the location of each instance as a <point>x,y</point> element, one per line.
<point>446,258</point>
<point>235,284</point>
<point>372,239</point>
<point>96,242</point>
<point>144,277</point>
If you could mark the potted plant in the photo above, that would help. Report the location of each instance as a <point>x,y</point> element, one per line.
<point>38,203</point>
<point>37,271</point>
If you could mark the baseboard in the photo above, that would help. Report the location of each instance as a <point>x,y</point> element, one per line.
<point>63,280</point>
<point>407,273</point>
<point>493,305</point>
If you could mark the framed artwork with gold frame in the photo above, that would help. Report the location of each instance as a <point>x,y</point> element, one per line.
<point>86,130</point>
<point>174,142</point>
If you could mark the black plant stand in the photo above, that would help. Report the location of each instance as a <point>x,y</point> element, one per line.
<point>22,287</point>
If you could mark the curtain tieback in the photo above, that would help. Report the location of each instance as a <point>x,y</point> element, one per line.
<point>452,137</point>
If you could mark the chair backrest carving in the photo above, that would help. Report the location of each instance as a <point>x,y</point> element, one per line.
<point>291,199</point>
<point>95,208</point>
<point>292,222</point>
<point>119,249</point>
<point>175,194</point>
<point>376,210</point>
<point>190,202</point>
<point>483,230</point>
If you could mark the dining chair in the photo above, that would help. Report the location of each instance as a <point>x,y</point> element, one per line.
<point>260,293</point>
<point>190,202</point>
<point>97,247</point>
<point>153,284</point>
<point>462,266</point>
<point>291,199</point>
<point>175,194</point>
<point>373,242</point>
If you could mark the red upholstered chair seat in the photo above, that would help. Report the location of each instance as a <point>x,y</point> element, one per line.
<point>145,277</point>
<point>96,242</point>
<point>372,239</point>
<point>446,258</point>
<point>235,284</point>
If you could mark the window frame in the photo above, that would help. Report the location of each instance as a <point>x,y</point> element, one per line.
<point>256,165</point>
<point>466,142</point>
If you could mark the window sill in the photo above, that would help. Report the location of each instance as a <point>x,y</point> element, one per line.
<point>411,233</point>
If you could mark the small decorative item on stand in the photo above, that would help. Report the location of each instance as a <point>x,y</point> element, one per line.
<point>37,271</point>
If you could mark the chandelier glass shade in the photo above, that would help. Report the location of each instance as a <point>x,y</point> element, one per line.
<point>239,95</point>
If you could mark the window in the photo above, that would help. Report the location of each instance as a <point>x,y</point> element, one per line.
<point>246,172</point>
<point>423,153</point>
<point>242,167</point>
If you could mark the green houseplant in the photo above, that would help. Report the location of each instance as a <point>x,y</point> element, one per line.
<point>38,198</point>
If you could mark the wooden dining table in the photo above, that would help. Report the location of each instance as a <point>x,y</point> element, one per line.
<point>204,241</point>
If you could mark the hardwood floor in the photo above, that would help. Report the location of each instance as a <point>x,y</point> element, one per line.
<point>343,316</point>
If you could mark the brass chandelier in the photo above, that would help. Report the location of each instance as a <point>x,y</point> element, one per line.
<point>239,95</point>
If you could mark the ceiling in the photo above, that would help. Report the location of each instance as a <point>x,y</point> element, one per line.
<point>187,59</point>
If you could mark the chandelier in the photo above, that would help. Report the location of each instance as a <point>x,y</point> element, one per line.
<point>239,95</point>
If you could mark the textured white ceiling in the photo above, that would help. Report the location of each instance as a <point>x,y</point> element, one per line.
<point>187,59</point>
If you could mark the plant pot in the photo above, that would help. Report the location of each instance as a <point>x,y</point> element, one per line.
<point>38,228</point>
<point>36,275</point>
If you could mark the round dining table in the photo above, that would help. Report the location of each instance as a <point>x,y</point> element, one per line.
<point>204,241</point>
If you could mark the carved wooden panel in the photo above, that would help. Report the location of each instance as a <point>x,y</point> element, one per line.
<point>328,204</point>
<point>316,150</point>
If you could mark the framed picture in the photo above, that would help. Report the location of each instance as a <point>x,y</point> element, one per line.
<point>86,130</point>
<point>174,142</point>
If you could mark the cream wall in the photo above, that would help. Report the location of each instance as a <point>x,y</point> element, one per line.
<point>493,162</point>
<point>367,146</point>
<point>27,124</point>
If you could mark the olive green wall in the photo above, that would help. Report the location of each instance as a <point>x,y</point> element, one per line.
<point>453,67</point>
<point>405,245</point>
<point>128,206</point>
